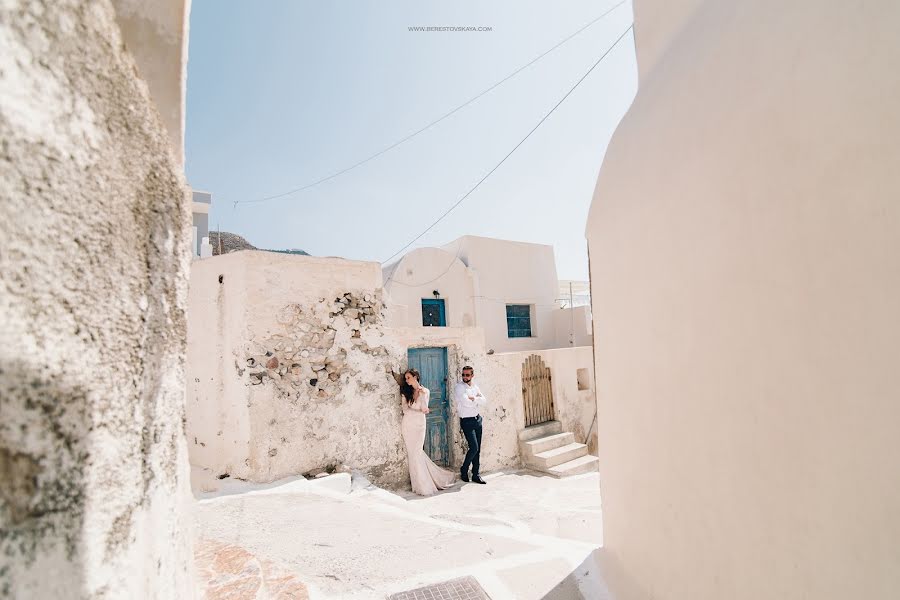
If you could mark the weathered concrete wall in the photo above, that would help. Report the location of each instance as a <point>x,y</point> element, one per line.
<point>94,243</point>
<point>746,283</point>
<point>289,368</point>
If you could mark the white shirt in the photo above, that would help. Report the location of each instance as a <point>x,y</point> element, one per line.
<point>466,406</point>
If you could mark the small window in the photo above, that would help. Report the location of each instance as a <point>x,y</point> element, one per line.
<point>584,380</point>
<point>518,320</point>
<point>433,313</point>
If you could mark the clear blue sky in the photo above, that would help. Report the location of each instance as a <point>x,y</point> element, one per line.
<point>281,93</point>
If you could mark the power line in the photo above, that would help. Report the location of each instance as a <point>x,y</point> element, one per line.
<point>483,179</point>
<point>430,125</point>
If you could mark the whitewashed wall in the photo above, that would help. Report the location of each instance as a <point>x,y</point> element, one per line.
<point>744,239</point>
<point>573,325</point>
<point>420,273</point>
<point>575,408</point>
<point>508,272</point>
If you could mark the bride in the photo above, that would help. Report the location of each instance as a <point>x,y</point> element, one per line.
<point>425,476</point>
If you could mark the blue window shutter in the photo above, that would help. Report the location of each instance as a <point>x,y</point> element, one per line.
<point>433,313</point>
<point>518,320</point>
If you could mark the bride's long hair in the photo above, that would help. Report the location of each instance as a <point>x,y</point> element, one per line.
<point>407,390</point>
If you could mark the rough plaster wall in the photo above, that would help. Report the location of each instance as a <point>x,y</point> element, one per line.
<point>276,324</point>
<point>218,429</point>
<point>500,381</point>
<point>93,251</point>
<point>322,391</point>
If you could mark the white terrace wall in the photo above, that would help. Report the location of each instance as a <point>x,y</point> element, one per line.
<point>94,251</point>
<point>745,263</point>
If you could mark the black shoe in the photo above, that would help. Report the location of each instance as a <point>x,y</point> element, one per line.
<point>478,479</point>
<point>464,475</point>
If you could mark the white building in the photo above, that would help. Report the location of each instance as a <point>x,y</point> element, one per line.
<point>200,205</point>
<point>509,289</point>
<point>291,366</point>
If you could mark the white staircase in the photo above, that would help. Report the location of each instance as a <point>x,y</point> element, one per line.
<point>549,449</point>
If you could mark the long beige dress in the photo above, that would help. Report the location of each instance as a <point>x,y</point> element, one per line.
<point>425,476</point>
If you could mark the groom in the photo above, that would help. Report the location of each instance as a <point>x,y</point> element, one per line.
<point>469,400</point>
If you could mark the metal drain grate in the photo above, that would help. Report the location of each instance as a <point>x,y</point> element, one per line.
<point>464,588</point>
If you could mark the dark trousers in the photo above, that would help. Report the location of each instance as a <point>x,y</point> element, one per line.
<point>471,427</point>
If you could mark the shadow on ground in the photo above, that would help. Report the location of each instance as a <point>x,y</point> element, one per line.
<point>585,582</point>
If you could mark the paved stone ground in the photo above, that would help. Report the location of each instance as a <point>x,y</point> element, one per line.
<point>521,536</point>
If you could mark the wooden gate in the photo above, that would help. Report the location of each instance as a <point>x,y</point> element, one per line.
<point>537,391</point>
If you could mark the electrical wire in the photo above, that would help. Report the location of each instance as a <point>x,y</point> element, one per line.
<point>511,152</point>
<point>431,124</point>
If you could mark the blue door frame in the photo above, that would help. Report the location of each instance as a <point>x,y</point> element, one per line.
<point>432,366</point>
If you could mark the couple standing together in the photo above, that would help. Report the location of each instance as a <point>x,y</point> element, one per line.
<point>425,476</point>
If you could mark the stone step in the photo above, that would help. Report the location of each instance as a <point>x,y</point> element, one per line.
<point>584,464</point>
<point>536,446</point>
<point>539,431</point>
<point>557,456</point>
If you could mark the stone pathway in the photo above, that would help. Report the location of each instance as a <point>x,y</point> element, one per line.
<point>229,572</point>
<point>521,536</point>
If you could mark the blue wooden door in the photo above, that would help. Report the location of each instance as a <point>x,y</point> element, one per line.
<point>432,366</point>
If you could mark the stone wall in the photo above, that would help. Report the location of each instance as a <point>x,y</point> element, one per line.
<point>322,392</point>
<point>94,244</point>
<point>290,369</point>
